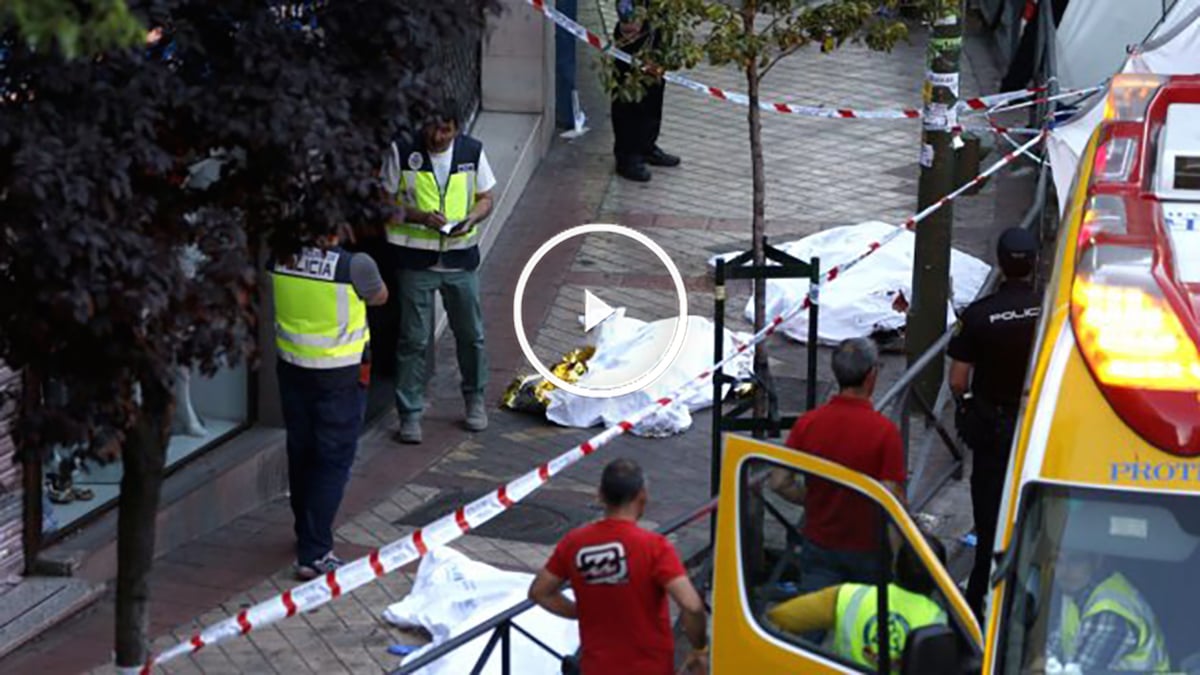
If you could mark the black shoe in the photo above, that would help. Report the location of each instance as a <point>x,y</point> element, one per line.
<point>634,171</point>
<point>659,158</point>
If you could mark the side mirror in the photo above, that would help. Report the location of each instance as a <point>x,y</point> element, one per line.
<point>933,649</point>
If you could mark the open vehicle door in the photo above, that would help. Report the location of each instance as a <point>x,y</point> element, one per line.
<point>763,563</point>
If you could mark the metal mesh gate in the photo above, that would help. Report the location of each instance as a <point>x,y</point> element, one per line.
<point>458,62</point>
<point>12,552</point>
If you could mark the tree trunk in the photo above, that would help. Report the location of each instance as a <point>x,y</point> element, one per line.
<point>143,455</point>
<point>756,512</point>
<point>757,224</point>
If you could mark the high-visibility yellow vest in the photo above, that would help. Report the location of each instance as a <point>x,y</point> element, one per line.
<point>857,634</point>
<point>419,189</point>
<point>1115,594</point>
<point>320,322</point>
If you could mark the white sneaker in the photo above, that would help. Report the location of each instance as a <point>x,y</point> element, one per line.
<point>317,568</point>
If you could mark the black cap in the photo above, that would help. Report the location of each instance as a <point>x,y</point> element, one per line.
<point>1016,251</point>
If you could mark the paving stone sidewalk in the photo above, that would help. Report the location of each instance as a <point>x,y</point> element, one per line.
<point>821,173</point>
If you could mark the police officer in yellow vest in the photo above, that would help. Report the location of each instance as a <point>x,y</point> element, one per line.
<point>321,295</point>
<point>850,611</point>
<point>1102,623</point>
<point>443,182</point>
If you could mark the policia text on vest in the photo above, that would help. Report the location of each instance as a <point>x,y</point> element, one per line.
<point>320,321</point>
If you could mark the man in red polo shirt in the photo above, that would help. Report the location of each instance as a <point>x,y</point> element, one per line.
<point>841,529</point>
<point>621,576</point>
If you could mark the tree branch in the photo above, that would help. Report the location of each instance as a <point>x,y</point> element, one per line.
<point>781,55</point>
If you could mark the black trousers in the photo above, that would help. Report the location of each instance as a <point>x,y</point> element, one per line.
<point>636,123</point>
<point>1020,69</point>
<point>324,417</point>
<point>990,464</point>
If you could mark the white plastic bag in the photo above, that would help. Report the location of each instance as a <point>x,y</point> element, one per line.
<point>453,593</point>
<point>625,349</point>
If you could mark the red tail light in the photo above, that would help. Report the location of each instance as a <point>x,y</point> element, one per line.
<point>1137,347</point>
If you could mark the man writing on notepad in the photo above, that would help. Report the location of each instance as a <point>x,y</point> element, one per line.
<point>443,182</point>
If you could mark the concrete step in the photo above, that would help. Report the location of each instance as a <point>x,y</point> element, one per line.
<point>35,604</point>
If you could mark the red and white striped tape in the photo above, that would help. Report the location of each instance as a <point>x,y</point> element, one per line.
<point>1081,93</point>
<point>438,533</point>
<point>911,223</point>
<point>451,526</point>
<point>1007,133</point>
<point>596,42</point>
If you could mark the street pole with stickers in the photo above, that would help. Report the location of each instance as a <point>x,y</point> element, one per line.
<point>931,264</point>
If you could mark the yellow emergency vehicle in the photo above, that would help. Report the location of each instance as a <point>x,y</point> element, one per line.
<point>1098,549</point>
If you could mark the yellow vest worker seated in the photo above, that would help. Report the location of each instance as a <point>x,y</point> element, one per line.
<point>850,610</point>
<point>1101,622</point>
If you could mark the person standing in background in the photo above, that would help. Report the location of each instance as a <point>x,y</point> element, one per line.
<point>444,183</point>
<point>841,528</point>
<point>636,123</point>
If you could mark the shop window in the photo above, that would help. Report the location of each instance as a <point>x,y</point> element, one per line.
<point>816,556</point>
<point>207,410</point>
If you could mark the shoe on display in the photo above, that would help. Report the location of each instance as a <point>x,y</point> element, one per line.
<point>410,429</point>
<point>476,414</point>
<point>659,158</point>
<point>634,171</point>
<point>61,495</point>
<point>317,568</point>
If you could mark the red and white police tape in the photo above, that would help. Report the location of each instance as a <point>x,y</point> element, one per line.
<point>911,223</point>
<point>1007,133</point>
<point>451,526</point>
<point>595,41</point>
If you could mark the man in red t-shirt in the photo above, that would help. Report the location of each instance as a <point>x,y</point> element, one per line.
<point>621,576</point>
<point>841,528</point>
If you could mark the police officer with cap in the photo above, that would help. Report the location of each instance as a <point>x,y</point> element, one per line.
<point>988,358</point>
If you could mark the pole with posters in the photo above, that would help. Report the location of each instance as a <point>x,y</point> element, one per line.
<point>931,264</point>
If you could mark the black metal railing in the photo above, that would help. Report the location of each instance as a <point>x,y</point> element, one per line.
<point>503,624</point>
<point>900,397</point>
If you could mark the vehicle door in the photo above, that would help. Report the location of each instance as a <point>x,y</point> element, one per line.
<point>764,562</point>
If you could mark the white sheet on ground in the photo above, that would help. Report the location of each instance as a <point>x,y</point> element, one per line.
<point>866,299</point>
<point>627,348</point>
<point>453,593</point>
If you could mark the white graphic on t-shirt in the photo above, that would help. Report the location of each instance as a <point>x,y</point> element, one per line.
<point>602,563</point>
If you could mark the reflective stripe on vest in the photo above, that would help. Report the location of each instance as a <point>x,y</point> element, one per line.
<point>419,190</point>
<point>1115,594</point>
<point>857,638</point>
<point>320,322</point>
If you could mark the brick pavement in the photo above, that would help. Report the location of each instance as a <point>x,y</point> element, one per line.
<point>821,173</point>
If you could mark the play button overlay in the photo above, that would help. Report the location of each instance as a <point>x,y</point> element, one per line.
<point>596,310</point>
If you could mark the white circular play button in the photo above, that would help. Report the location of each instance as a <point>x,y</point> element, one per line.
<point>596,310</point>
